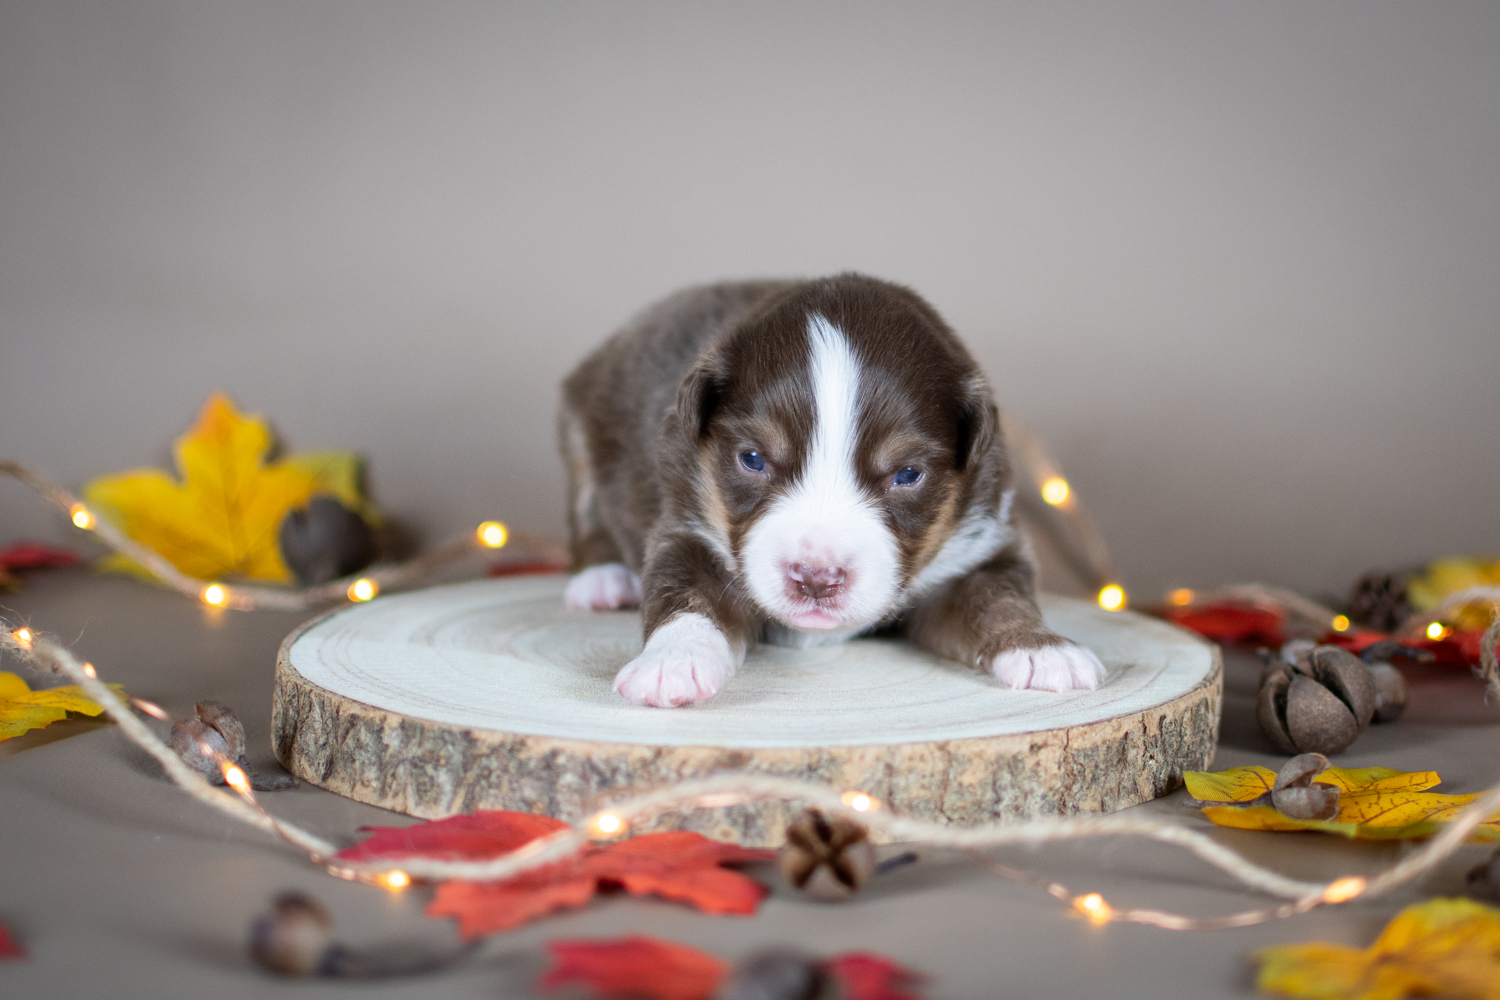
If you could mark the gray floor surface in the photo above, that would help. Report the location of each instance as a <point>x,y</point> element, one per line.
<point>121,886</point>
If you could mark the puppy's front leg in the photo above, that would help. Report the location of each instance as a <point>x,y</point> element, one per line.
<point>989,618</point>
<point>696,634</point>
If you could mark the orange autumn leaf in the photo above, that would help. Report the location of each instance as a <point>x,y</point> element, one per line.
<point>680,865</point>
<point>1376,803</point>
<point>222,518</point>
<point>1444,947</point>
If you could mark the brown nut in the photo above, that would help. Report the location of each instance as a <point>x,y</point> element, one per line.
<point>294,938</point>
<point>828,858</point>
<point>1296,795</point>
<point>1320,705</point>
<point>778,974</point>
<point>1485,876</point>
<point>1390,692</point>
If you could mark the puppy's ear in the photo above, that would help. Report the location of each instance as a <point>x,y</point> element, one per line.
<point>698,398</point>
<point>978,423</point>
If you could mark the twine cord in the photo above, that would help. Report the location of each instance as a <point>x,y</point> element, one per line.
<point>248,597</point>
<point>44,653</point>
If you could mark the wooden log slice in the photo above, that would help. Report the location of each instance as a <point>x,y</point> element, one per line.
<point>490,695</point>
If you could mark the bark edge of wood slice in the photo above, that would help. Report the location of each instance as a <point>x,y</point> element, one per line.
<point>484,695</point>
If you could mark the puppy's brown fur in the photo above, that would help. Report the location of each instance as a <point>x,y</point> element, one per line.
<point>656,425</point>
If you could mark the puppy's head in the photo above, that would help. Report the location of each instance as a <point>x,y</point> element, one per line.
<point>841,437</point>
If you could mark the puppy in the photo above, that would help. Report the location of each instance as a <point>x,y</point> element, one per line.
<point>798,462</point>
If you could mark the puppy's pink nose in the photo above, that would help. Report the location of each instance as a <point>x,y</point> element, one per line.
<point>815,581</point>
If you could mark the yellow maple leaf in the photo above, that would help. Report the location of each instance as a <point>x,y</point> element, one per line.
<point>22,709</point>
<point>222,519</point>
<point>1376,803</point>
<point>1444,947</point>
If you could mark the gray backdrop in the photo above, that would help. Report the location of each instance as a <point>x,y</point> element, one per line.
<point>1237,261</point>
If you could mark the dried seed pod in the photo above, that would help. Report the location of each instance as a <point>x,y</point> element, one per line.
<point>1295,794</point>
<point>1319,705</point>
<point>1347,676</point>
<point>775,975</point>
<point>294,938</point>
<point>828,858</point>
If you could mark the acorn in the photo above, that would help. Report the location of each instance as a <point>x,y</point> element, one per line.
<point>1485,876</point>
<point>1390,683</point>
<point>324,541</point>
<point>1319,705</point>
<point>296,939</point>
<point>778,974</point>
<point>828,858</point>
<point>1297,796</point>
<point>214,736</point>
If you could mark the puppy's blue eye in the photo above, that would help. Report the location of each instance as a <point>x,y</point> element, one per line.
<point>907,477</point>
<point>753,461</point>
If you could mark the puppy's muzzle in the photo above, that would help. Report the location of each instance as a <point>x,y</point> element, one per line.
<point>815,581</point>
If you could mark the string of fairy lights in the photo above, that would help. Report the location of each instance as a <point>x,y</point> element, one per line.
<point>617,821</point>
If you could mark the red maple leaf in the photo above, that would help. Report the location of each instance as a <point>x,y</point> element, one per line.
<point>679,865</point>
<point>652,969</point>
<point>1230,621</point>
<point>487,833</point>
<point>35,555</point>
<point>636,966</point>
<point>865,976</point>
<point>1457,649</point>
<point>8,946</point>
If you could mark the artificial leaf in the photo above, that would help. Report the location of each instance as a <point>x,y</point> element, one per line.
<point>1445,947</point>
<point>222,518</point>
<point>22,709</point>
<point>1448,576</point>
<point>1376,803</point>
<point>1459,648</point>
<point>31,555</point>
<point>636,966</point>
<point>865,976</point>
<point>487,833</point>
<point>1230,621</point>
<point>8,946</point>
<point>678,865</point>
<point>649,968</point>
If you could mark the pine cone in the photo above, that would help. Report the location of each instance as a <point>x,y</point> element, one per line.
<point>828,858</point>
<point>1379,601</point>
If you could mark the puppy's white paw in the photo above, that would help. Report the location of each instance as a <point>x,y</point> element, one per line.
<point>610,585</point>
<point>1063,667</point>
<point>687,660</point>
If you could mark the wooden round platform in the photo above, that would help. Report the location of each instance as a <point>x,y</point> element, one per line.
<point>490,695</point>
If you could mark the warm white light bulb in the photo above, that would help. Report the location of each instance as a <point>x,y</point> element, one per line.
<point>493,534</point>
<point>216,595</point>
<point>81,516</point>
<point>363,589</point>
<point>1112,597</point>
<point>1055,491</point>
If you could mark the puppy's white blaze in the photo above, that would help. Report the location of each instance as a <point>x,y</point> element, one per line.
<point>686,660</point>
<point>978,536</point>
<point>825,517</point>
<point>1066,667</point>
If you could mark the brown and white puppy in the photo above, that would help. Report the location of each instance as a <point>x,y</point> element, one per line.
<point>798,462</point>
